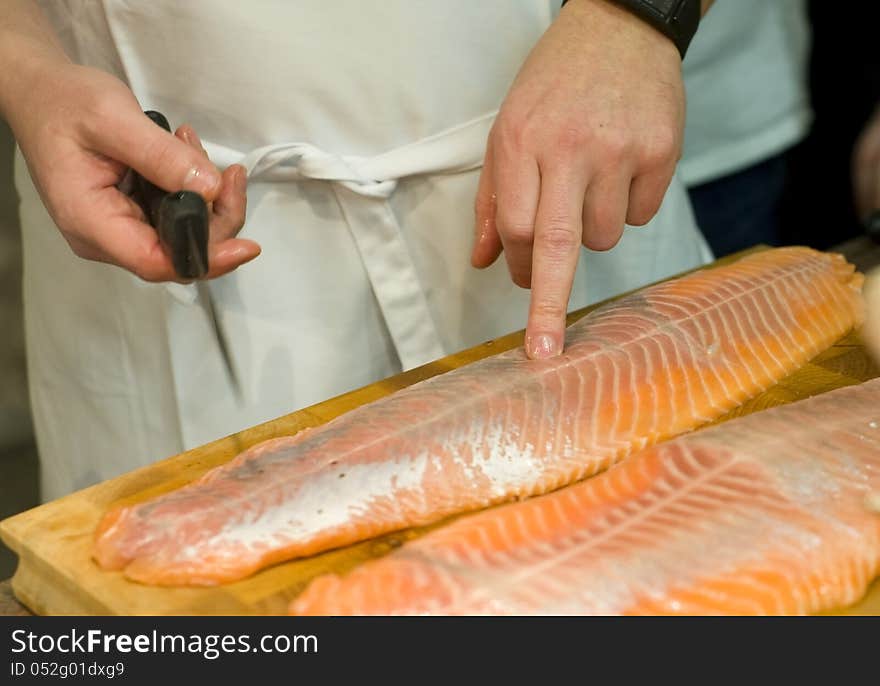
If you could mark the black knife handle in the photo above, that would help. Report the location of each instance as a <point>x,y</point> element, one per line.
<point>159,119</point>
<point>180,219</point>
<point>150,195</point>
<point>183,230</point>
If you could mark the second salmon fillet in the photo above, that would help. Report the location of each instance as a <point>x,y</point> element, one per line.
<point>765,514</point>
<point>636,371</point>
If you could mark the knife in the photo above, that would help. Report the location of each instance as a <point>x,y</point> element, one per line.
<point>181,222</point>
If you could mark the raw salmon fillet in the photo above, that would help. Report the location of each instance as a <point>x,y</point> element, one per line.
<point>635,371</point>
<point>766,514</point>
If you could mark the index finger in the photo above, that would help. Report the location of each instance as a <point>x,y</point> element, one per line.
<point>108,226</point>
<point>124,239</point>
<point>558,229</point>
<point>229,207</point>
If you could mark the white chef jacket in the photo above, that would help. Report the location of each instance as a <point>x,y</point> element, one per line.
<point>363,126</point>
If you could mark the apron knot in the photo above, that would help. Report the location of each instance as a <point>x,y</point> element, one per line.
<point>299,161</point>
<point>362,187</point>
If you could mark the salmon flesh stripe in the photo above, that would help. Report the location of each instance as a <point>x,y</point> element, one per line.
<point>635,371</point>
<point>766,514</point>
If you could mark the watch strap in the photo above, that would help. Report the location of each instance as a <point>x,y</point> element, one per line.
<point>676,19</point>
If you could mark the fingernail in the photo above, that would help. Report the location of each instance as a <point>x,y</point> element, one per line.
<point>191,138</point>
<point>542,346</point>
<point>204,181</point>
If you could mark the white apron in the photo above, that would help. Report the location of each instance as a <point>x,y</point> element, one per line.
<point>363,126</point>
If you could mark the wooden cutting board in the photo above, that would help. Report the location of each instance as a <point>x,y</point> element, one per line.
<point>57,576</point>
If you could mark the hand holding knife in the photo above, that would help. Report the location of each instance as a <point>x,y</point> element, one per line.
<point>181,221</point>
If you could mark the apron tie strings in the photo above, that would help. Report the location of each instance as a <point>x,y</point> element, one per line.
<point>362,187</point>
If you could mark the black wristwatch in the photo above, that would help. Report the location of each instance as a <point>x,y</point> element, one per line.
<point>676,19</point>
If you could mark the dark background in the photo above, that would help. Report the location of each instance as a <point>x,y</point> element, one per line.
<point>845,88</point>
<point>18,455</point>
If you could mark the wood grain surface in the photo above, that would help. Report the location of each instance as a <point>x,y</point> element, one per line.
<point>56,574</point>
<point>9,606</point>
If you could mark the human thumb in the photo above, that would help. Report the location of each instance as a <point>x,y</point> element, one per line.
<point>157,155</point>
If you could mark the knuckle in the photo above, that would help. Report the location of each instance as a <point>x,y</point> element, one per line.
<point>603,217</point>
<point>571,138</point>
<point>105,115</point>
<point>511,131</point>
<point>515,229</point>
<point>559,238</point>
<point>661,149</point>
<point>159,155</point>
<point>103,106</point>
<point>615,145</point>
